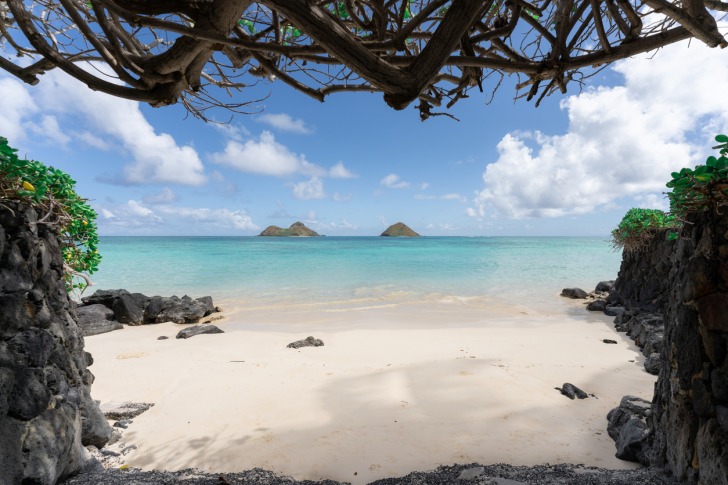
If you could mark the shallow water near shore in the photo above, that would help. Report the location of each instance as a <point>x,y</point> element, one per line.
<point>356,271</point>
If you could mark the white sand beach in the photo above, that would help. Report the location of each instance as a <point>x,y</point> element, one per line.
<point>396,388</point>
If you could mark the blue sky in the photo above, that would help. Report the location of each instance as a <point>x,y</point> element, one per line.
<point>352,166</point>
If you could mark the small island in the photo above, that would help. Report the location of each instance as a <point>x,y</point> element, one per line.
<point>297,229</point>
<point>399,229</point>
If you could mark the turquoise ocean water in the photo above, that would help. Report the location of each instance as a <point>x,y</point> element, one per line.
<point>279,271</point>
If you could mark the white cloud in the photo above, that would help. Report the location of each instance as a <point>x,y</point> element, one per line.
<point>222,218</point>
<point>308,190</point>
<point>164,196</point>
<point>341,197</point>
<point>392,181</point>
<point>135,208</point>
<point>339,171</point>
<point>133,215</point>
<point>622,141</point>
<point>48,127</point>
<point>17,104</point>
<point>265,156</point>
<point>284,122</point>
<point>233,132</point>
<point>424,185</point>
<point>67,102</point>
<point>453,196</point>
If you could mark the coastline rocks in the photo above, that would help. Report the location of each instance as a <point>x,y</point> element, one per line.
<point>96,319</point>
<point>138,309</point>
<point>399,229</point>
<point>297,229</point>
<point>47,415</point>
<point>120,411</point>
<point>499,474</point>
<point>613,311</point>
<point>574,293</point>
<point>628,428</point>
<point>605,286</point>
<point>307,342</point>
<point>597,306</point>
<point>198,330</point>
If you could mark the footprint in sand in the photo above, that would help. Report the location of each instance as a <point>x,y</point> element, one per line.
<point>131,355</point>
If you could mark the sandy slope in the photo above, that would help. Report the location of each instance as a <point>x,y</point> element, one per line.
<point>396,388</point>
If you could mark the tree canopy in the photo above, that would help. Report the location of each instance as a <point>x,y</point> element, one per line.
<point>205,53</point>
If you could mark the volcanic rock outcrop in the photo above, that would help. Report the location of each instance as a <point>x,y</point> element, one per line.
<point>399,230</point>
<point>297,229</point>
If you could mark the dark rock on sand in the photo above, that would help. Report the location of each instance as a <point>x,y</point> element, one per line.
<point>180,310</point>
<point>597,306</point>
<point>138,309</point>
<point>571,391</point>
<point>163,337</point>
<point>627,426</point>
<point>604,286</point>
<point>96,319</point>
<point>129,308</point>
<point>198,330</point>
<point>118,411</point>
<point>307,342</point>
<point>609,341</point>
<point>123,424</point>
<point>575,293</point>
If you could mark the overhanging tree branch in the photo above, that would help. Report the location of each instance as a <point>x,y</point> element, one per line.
<point>197,51</point>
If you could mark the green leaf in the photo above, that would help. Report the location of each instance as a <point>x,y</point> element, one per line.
<point>721,138</point>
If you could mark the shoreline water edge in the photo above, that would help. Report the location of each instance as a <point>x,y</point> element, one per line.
<point>394,388</point>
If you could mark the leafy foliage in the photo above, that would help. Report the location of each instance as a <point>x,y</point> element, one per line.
<point>703,188</point>
<point>52,192</point>
<point>639,226</point>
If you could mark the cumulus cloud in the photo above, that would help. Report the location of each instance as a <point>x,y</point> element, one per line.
<point>221,218</point>
<point>285,122</point>
<point>309,190</point>
<point>135,215</point>
<point>164,196</point>
<point>265,156</point>
<point>130,215</point>
<point>622,141</point>
<point>17,106</point>
<point>49,128</point>
<point>68,103</point>
<point>339,171</point>
<point>392,181</point>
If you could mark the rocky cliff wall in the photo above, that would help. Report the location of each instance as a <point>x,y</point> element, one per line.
<point>689,421</point>
<point>47,415</point>
<point>687,282</point>
<point>644,277</point>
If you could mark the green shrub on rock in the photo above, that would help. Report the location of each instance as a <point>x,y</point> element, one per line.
<point>703,188</point>
<point>51,192</point>
<point>639,226</point>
